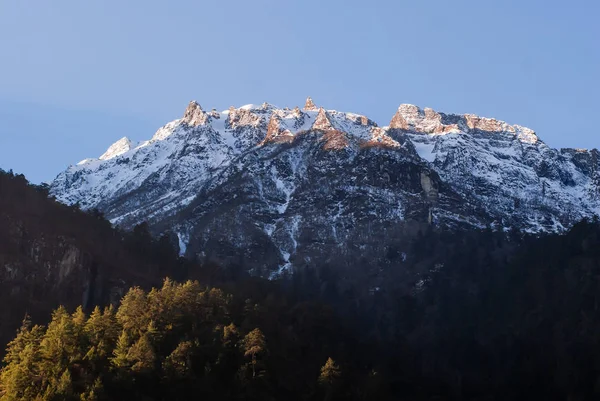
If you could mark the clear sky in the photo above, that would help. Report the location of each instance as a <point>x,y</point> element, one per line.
<point>76,75</point>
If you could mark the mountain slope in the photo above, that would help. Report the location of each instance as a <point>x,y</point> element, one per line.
<point>53,254</point>
<point>272,188</point>
<point>517,178</point>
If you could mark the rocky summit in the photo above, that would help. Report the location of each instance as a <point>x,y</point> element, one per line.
<point>272,189</point>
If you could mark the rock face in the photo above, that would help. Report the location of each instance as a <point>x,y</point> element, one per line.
<point>272,188</point>
<point>194,115</point>
<point>52,254</point>
<point>309,105</point>
<point>507,169</point>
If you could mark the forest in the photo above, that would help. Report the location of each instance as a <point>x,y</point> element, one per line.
<point>469,315</point>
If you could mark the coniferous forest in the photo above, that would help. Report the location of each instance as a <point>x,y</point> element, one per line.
<point>471,315</point>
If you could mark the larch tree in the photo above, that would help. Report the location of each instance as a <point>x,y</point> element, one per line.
<point>254,344</point>
<point>330,374</point>
<point>60,347</point>
<point>120,360</point>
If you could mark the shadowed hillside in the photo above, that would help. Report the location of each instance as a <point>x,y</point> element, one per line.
<point>52,254</point>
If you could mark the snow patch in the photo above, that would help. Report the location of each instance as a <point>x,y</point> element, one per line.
<point>183,242</point>
<point>123,145</point>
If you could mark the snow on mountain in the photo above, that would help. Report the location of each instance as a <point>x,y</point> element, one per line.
<point>274,188</point>
<point>516,177</point>
<point>123,145</point>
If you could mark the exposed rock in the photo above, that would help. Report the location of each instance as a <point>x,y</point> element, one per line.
<point>242,117</point>
<point>274,188</point>
<point>323,121</point>
<point>428,187</point>
<point>410,117</point>
<point>309,105</point>
<point>276,133</point>
<point>194,115</point>
<point>398,121</point>
<point>53,255</point>
<point>487,124</point>
<point>335,140</point>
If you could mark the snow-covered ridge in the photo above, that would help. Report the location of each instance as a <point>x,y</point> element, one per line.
<point>191,149</point>
<point>289,122</point>
<point>412,118</point>
<point>292,172</point>
<point>118,148</point>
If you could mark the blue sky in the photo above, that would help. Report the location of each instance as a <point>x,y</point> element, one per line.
<point>76,75</point>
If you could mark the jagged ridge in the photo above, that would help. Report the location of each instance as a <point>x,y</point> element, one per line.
<point>277,187</point>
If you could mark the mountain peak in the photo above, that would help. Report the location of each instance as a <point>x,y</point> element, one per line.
<point>277,133</point>
<point>405,116</point>
<point>123,145</point>
<point>322,122</point>
<point>429,121</point>
<point>244,116</point>
<point>291,180</point>
<point>194,115</point>
<point>309,104</point>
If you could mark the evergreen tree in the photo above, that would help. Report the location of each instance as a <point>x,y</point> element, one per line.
<point>178,364</point>
<point>133,311</point>
<point>254,344</point>
<point>231,335</point>
<point>79,319</point>
<point>141,355</point>
<point>120,361</point>
<point>25,336</point>
<point>60,346</point>
<point>20,380</point>
<point>330,374</point>
<point>64,386</point>
<point>101,331</point>
<point>94,392</point>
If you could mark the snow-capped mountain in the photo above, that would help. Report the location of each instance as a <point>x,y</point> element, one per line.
<point>272,188</point>
<point>507,169</point>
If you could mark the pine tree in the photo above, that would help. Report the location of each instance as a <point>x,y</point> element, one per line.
<point>141,355</point>
<point>94,392</point>
<point>119,359</point>
<point>64,387</point>
<point>59,347</point>
<point>110,323</point>
<point>79,318</point>
<point>94,326</point>
<point>230,335</point>
<point>254,344</point>
<point>179,363</point>
<point>133,312</point>
<point>19,379</point>
<point>101,331</point>
<point>25,336</point>
<point>330,374</point>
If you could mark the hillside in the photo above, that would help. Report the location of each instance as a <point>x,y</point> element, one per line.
<point>464,315</point>
<point>52,254</point>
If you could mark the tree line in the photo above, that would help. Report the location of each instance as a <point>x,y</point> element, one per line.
<point>452,315</point>
<point>178,342</point>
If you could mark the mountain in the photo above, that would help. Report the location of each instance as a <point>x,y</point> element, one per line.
<point>53,254</point>
<point>508,170</point>
<point>270,188</point>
